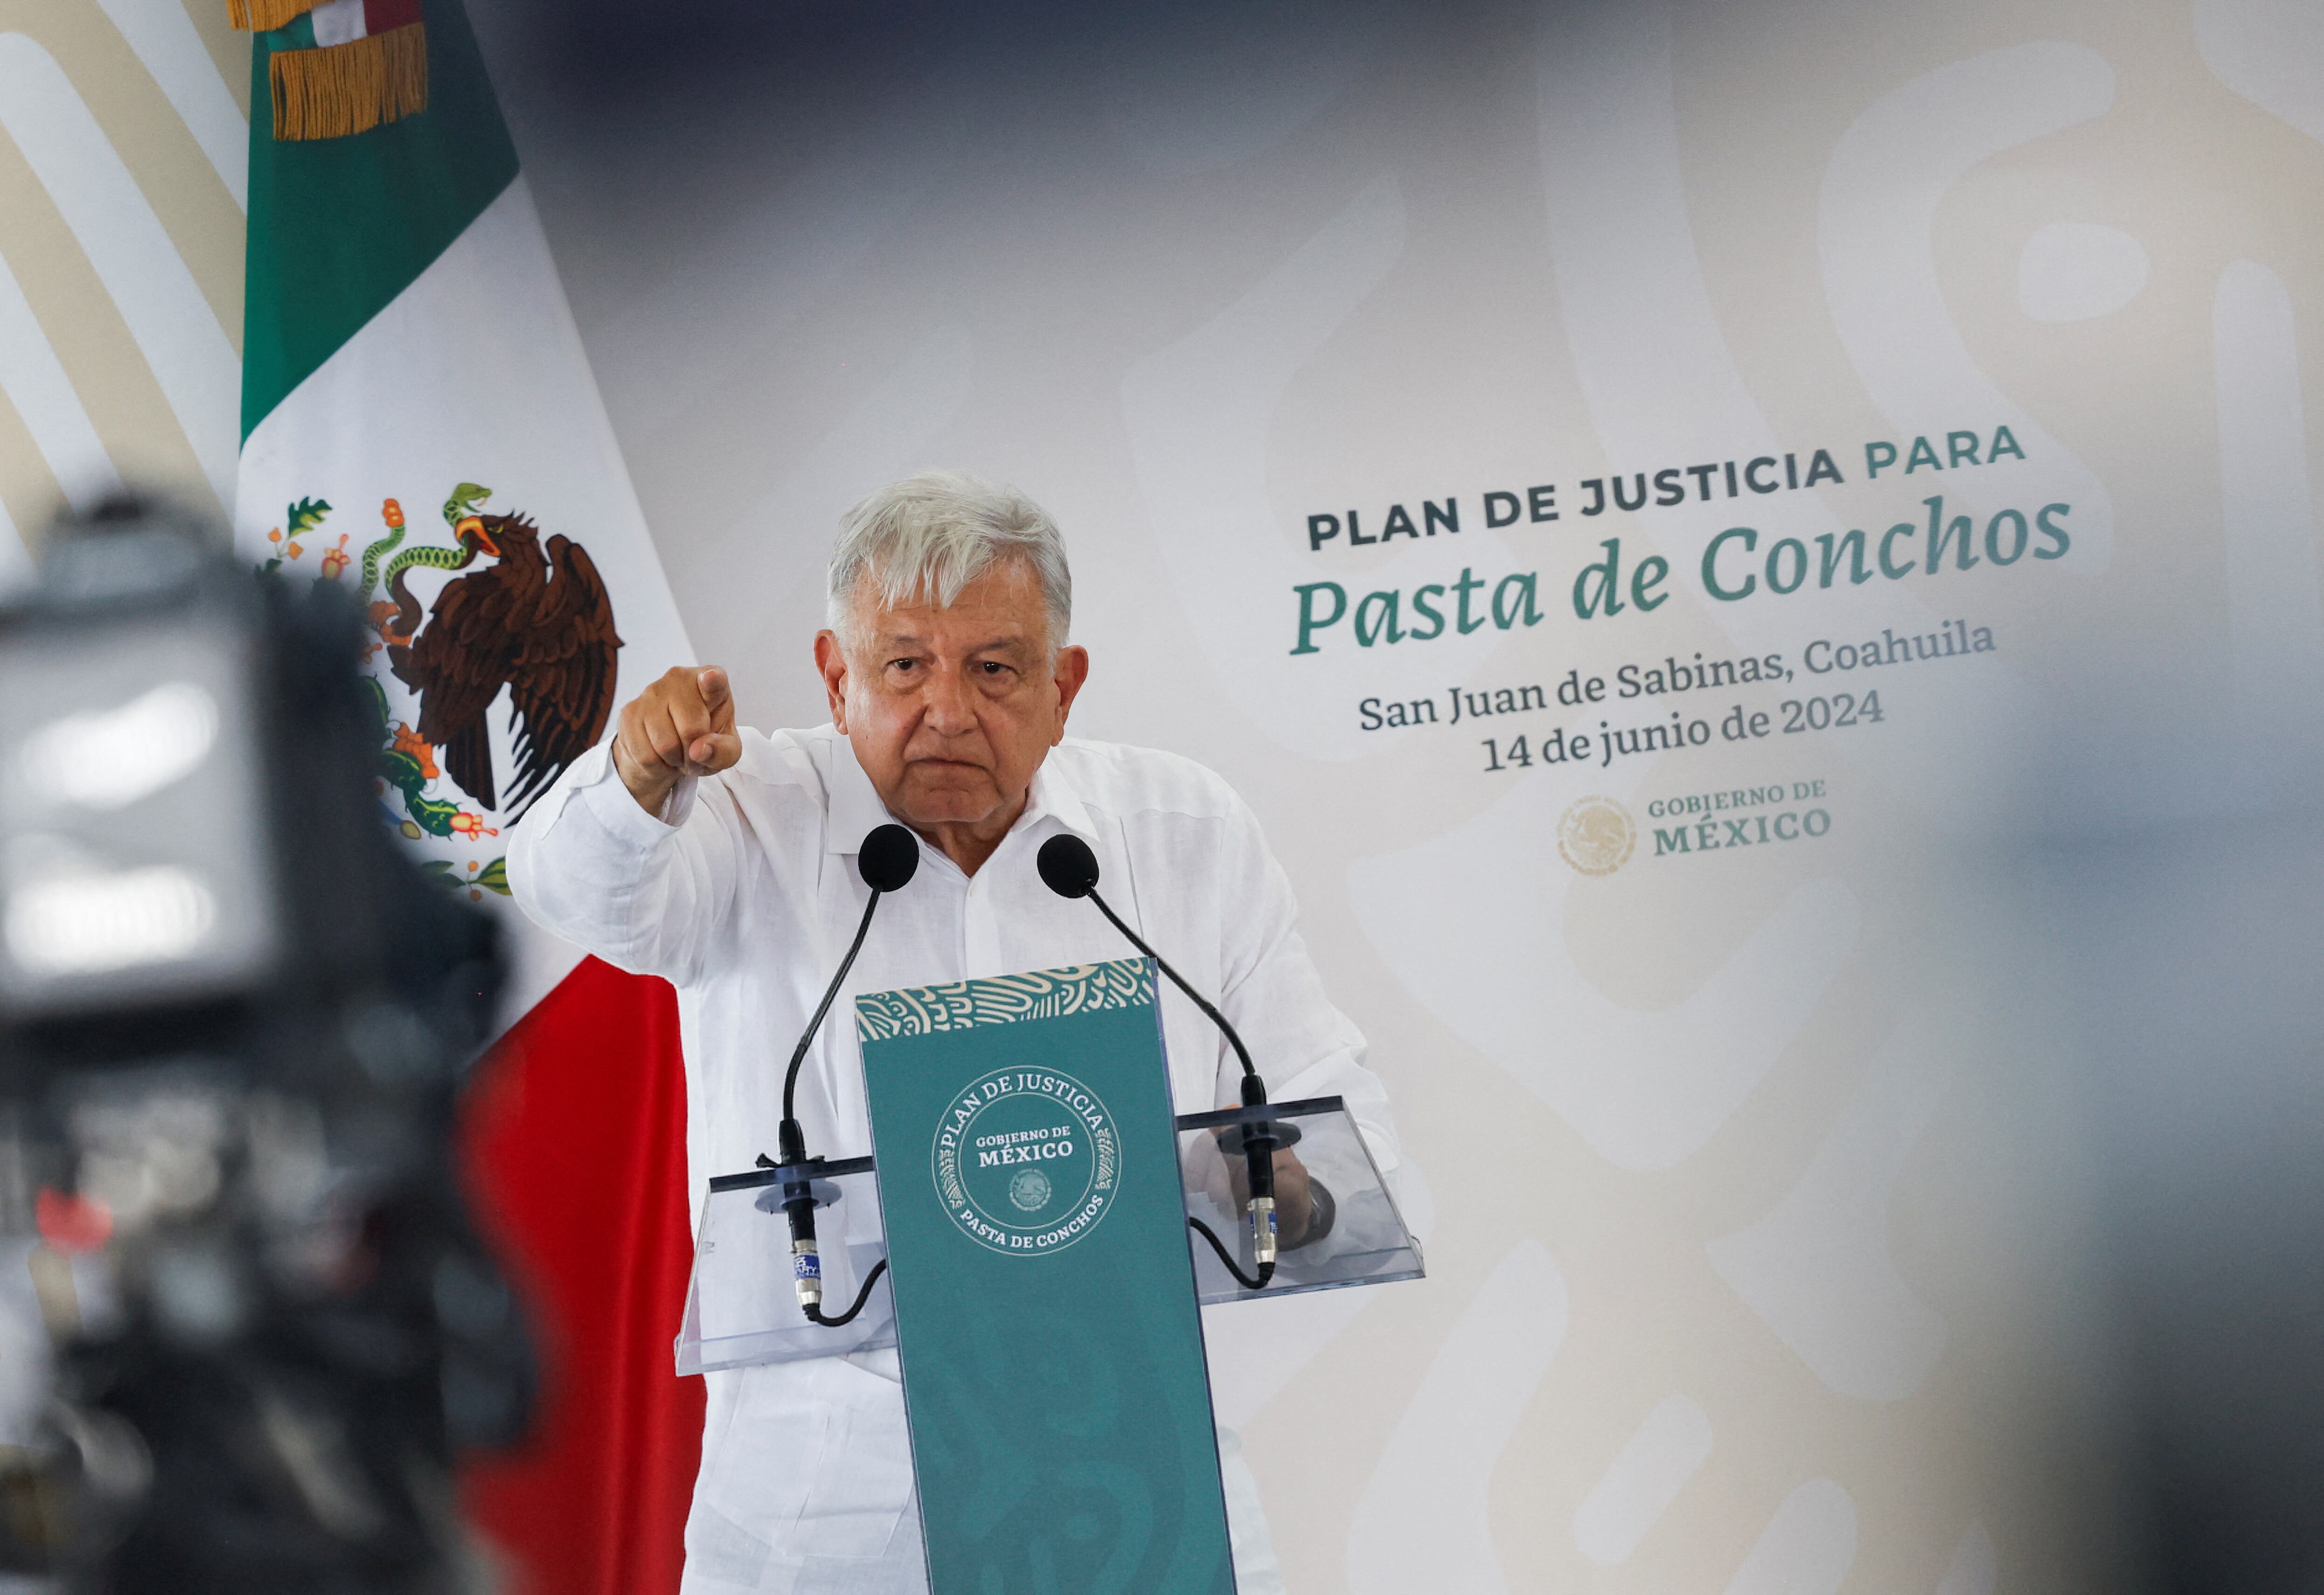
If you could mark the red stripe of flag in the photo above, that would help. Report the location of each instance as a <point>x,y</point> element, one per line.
<point>379,15</point>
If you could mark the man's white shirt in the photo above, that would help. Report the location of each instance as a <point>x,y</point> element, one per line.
<point>744,894</point>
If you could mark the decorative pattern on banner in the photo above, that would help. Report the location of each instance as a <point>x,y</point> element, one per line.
<point>1083,987</point>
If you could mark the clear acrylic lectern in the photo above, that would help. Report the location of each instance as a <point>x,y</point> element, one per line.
<point>1367,1242</point>
<point>740,1309</point>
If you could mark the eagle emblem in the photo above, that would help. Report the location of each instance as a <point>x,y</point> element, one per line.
<point>525,614</point>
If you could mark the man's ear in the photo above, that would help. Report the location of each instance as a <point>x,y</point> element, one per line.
<point>1070,672</point>
<point>831,663</point>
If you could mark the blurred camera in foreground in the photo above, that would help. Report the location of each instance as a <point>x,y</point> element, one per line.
<point>244,1320</point>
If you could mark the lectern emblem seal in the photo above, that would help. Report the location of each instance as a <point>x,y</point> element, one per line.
<point>1595,836</point>
<point>1025,1160</point>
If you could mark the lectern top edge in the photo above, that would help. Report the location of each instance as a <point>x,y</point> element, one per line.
<point>830,1170</point>
<point>833,1168</point>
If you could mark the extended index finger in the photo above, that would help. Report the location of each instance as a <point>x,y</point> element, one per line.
<point>712,681</point>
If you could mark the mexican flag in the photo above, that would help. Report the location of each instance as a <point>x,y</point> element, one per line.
<point>421,426</point>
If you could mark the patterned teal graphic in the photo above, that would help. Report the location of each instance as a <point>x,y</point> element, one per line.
<point>1082,988</point>
<point>1045,1298</point>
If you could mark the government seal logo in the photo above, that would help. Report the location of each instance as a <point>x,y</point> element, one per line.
<point>1596,835</point>
<point>1029,1188</point>
<point>1026,1161</point>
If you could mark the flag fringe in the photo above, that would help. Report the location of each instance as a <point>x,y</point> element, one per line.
<point>352,87</point>
<point>263,16</point>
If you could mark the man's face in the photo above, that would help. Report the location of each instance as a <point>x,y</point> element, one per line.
<point>951,710</point>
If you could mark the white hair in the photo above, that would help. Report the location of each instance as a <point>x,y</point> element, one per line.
<point>929,536</point>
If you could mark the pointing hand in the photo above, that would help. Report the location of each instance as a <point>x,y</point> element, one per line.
<point>682,725</point>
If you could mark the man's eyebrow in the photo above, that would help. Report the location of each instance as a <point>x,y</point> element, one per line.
<point>1019,642</point>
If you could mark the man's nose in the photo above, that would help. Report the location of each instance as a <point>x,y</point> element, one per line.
<point>951,704</point>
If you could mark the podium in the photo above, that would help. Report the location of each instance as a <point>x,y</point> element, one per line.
<point>1031,1191</point>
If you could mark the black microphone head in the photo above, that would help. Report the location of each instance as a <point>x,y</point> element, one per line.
<point>1068,867</point>
<point>888,858</point>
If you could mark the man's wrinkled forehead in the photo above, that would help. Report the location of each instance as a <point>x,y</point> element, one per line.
<point>1019,619</point>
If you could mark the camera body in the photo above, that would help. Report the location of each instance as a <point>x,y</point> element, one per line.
<point>234,1024</point>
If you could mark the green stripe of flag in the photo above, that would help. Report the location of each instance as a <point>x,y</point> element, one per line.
<point>339,227</point>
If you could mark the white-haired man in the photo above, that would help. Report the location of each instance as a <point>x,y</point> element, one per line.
<point>724,859</point>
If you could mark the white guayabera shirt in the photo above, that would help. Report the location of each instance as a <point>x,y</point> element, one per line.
<point>745,896</point>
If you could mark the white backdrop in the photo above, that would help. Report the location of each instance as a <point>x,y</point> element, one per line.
<point>1761,1205</point>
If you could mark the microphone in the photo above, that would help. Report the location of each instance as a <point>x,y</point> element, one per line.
<point>1069,869</point>
<point>887,861</point>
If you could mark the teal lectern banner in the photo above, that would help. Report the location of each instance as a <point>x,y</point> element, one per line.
<point>1054,1377</point>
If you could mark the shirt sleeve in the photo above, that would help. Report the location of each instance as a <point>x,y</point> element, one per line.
<point>1301,1044</point>
<point>645,894</point>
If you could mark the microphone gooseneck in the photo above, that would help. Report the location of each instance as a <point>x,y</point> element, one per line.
<point>887,861</point>
<point>1069,869</point>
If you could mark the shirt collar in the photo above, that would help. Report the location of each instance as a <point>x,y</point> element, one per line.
<point>1053,797</point>
<point>855,807</point>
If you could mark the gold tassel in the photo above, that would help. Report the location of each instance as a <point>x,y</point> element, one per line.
<point>353,87</point>
<point>263,16</point>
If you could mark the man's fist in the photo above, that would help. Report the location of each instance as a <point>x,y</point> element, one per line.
<point>681,725</point>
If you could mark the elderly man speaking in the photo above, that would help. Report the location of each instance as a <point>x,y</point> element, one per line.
<point>724,860</point>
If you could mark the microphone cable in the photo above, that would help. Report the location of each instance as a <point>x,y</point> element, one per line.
<point>888,858</point>
<point>1069,869</point>
<point>1265,1270</point>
